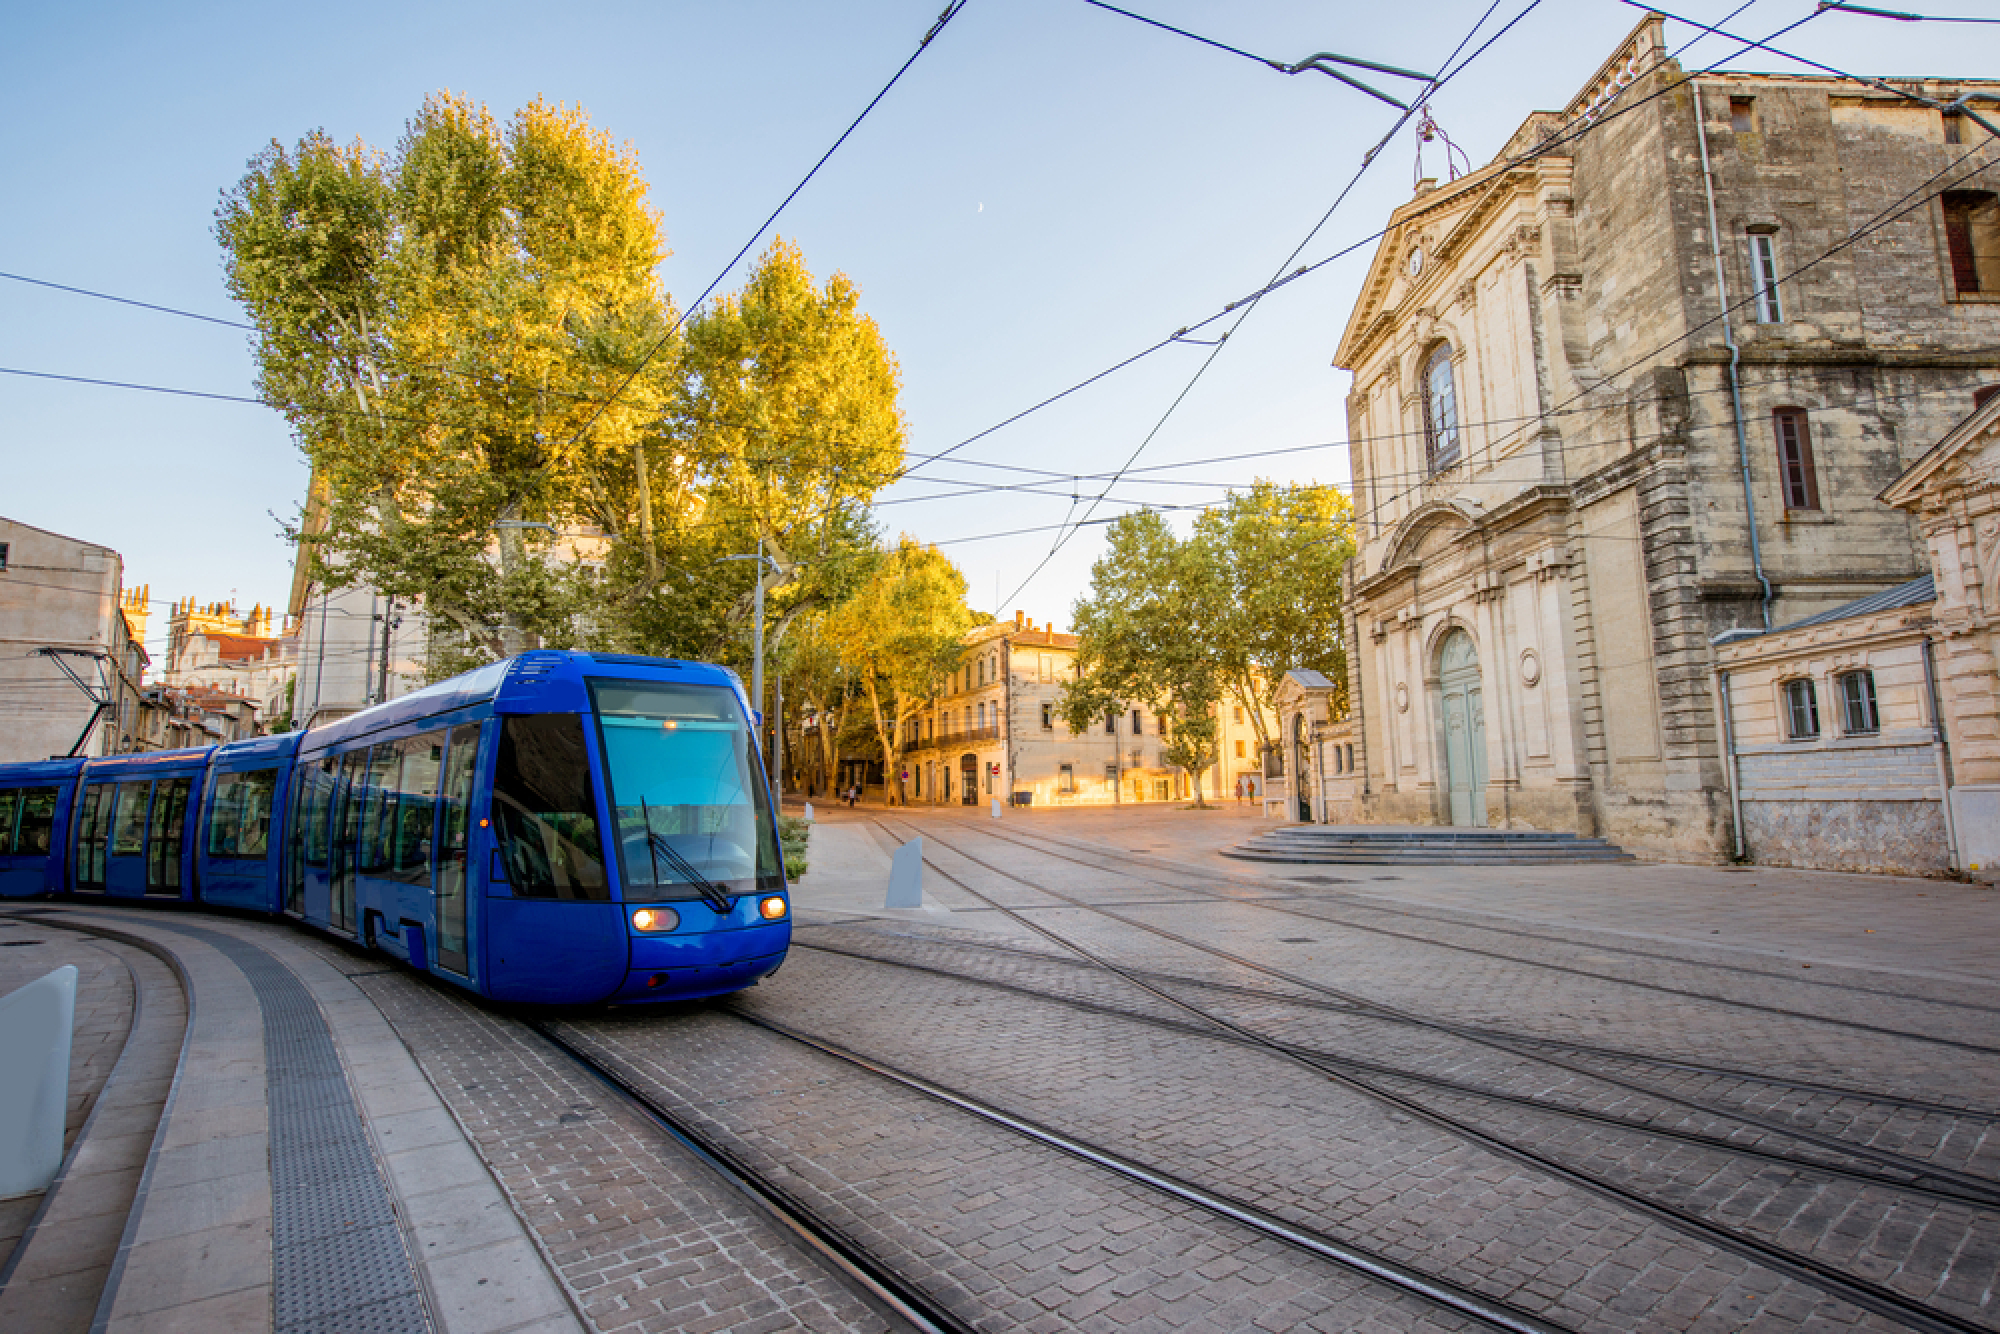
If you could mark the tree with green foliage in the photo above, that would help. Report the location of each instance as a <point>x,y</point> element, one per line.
<point>1280,554</point>
<point>900,635</point>
<point>504,420</point>
<point>442,326</point>
<point>1139,639</point>
<point>1177,623</point>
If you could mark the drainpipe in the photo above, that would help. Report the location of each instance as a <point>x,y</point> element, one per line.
<point>1729,762</point>
<point>1735,355</point>
<point>1941,750</point>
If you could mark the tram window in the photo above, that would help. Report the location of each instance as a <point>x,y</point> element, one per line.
<point>317,797</point>
<point>93,819</point>
<point>35,831</point>
<point>546,809</point>
<point>295,838</point>
<point>128,827</point>
<point>347,807</point>
<point>169,827</point>
<point>420,757</point>
<point>239,820</point>
<point>378,798</point>
<point>10,809</point>
<point>455,793</point>
<point>685,788</point>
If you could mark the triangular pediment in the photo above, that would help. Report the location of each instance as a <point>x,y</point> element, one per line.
<point>1968,455</point>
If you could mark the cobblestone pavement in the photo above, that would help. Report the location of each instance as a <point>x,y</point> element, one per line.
<point>644,1238</point>
<point>1881,1027</point>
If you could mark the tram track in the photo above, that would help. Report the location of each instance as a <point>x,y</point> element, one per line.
<point>1950,1191</point>
<point>904,1305</point>
<point>1829,1279</point>
<point>1517,1045</point>
<point>1484,1311</point>
<point>1149,865</point>
<point>1846,1092</point>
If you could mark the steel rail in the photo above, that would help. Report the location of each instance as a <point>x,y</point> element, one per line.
<point>1857,1291</point>
<point>901,1303</point>
<point>1562,968</point>
<point>1489,1311</point>
<point>1842,1091</point>
<point>1988,1200</point>
<point>1515,1046</point>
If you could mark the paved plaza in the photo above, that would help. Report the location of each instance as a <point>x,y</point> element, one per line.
<point>1602,1097</point>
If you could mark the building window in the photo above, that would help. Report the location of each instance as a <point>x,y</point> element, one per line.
<point>1111,775</point>
<point>1801,710</point>
<point>1066,778</point>
<point>1857,704</point>
<point>1764,277</point>
<point>1238,712</point>
<point>1136,728</point>
<point>1972,232</point>
<point>3,555</point>
<point>1239,751</point>
<point>1954,129</point>
<point>1743,115</point>
<point>1795,459</point>
<point>1440,411</point>
<point>1048,716</point>
<point>1111,724</point>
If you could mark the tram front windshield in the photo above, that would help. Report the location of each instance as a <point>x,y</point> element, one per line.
<point>686,790</point>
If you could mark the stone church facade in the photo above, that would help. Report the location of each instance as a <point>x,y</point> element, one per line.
<point>1620,393</point>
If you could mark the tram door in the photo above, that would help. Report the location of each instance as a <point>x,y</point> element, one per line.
<point>454,831</point>
<point>166,835</point>
<point>347,793</point>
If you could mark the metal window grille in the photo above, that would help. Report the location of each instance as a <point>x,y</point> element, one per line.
<point>1764,277</point>
<point>1857,704</point>
<point>1801,710</point>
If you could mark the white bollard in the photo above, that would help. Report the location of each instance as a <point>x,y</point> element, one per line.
<point>809,812</point>
<point>906,876</point>
<point>996,808</point>
<point>35,1026</point>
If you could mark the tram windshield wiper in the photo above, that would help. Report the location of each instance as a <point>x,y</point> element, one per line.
<point>711,893</point>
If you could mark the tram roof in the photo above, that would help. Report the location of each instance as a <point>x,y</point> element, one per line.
<point>39,771</point>
<point>542,681</point>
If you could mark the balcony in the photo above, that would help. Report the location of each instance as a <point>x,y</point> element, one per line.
<point>952,740</point>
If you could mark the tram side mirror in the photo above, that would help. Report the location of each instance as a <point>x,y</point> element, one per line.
<point>496,868</point>
<point>758,714</point>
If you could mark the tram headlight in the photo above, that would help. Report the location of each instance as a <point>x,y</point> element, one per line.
<point>772,908</point>
<point>655,919</point>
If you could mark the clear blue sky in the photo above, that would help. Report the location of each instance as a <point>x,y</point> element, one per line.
<point>1050,189</point>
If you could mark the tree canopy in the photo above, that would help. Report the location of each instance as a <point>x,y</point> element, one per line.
<point>1179,622</point>
<point>900,634</point>
<point>505,417</point>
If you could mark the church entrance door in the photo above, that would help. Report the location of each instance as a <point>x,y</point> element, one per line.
<point>1462,715</point>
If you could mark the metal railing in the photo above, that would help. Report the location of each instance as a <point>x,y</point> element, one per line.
<point>945,740</point>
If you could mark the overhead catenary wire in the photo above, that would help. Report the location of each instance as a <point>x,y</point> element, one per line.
<point>1447,72</point>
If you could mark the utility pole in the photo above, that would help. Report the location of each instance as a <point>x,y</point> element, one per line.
<point>757,655</point>
<point>382,668</point>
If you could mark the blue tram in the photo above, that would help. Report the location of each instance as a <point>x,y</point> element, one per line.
<point>559,828</point>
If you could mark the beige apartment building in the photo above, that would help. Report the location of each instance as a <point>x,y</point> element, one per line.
<point>995,732</point>
<point>1637,383</point>
<point>72,655</point>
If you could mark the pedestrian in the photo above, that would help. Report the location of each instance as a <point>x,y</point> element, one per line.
<point>1239,792</point>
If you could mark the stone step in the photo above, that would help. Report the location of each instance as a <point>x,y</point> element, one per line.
<point>1422,845</point>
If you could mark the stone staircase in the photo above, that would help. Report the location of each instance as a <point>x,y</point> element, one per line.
<point>1421,845</point>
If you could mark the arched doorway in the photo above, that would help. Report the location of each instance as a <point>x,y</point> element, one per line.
<point>1462,720</point>
<point>968,772</point>
<point>1299,769</point>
